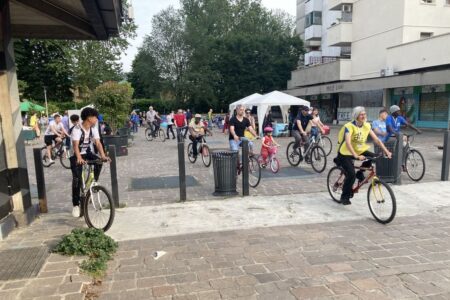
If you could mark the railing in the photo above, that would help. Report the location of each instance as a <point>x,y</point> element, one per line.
<point>317,60</point>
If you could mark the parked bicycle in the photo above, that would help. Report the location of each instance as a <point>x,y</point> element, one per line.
<point>314,155</point>
<point>272,162</point>
<point>413,162</point>
<point>158,134</point>
<point>60,151</point>
<point>380,197</point>
<point>97,204</point>
<point>203,151</point>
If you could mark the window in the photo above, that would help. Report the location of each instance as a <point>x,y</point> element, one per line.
<point>425,35</point>
<point>313,18</point>
<point>434,107</point>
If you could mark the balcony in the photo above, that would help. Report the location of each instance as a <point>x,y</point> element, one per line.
<point>338,70</point>
<point>313,5</point>
<point>313,32</point>
<point>337,4</point>
<point>312,57</point>
<point>340,35</point>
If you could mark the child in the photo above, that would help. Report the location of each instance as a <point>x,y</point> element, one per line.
<point>269,145</point>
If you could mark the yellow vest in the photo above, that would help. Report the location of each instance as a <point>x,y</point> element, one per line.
<point>358,138</point>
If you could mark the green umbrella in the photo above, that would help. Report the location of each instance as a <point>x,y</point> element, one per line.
<point>30,106</point>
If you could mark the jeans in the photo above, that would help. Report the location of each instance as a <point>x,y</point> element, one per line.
<point>170,127</point>
<point>234,145</point>
<point>77,170</point>
<point>195,142</point>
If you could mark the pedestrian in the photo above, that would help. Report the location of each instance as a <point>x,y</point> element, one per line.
<point>210,118</point>
<point>170,124</point>
<point>35,124</point>
<point>248,115</point>
<point>134,118</point>
<point>65,121</point>
<point>291,118</point>
<point>226,123</point>
<point>268,119</point>
<point>180,123</point>
<point>188,116</point>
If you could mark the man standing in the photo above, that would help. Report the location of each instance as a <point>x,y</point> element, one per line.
<point>180,123</point>
<point>210,118</point>
<point>238,125</point>
<point>151,114</point>
<point>299,129</point>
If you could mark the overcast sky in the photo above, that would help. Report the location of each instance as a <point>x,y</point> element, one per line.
<point>145,9</point>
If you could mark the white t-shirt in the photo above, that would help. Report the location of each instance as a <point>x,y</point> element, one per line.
<point>88,141</point>
<point>58,127</point>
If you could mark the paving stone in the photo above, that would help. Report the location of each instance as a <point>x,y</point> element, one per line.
<point>222,283</point>
<point>181,278</point>
<point>343,287</point>
<point>311,292</point>
<point>123,285</point>
<point>234,293</point>
<point>151,281</point>
<point>366,284</point>
<point>268,277</point>
<point>161,291</point>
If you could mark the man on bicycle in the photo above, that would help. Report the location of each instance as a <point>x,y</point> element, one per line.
<point>238,125</point>
<point>197,130</point>
<point>55,132</point>
<point>299,129</point>
<point>150,116</point>
<point>86,146</point>
<point>353,146</point>
<point>395,121</point>
<point>181,123</point>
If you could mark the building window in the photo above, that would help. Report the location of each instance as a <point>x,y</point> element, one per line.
<point>313,18</point>
<point>434,107</point>
<point>425,35</point>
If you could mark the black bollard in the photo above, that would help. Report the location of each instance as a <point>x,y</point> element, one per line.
<point>182,171</point>
<point>446,157</point>
<point>245,184</point>
<point>398,160</point>
<point>40,180</point>
<point>113,167</point>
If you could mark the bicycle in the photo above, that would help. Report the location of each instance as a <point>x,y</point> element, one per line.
<point>272,162</point>
<point>60,151</point>
<point>98,210</point>
<point>324,142</point>
<point>254,169</point>
<point>203,150</point>
<point>413,162</point>
<point>376,197</point>
<point>314,155</point>
<point>157,133</point>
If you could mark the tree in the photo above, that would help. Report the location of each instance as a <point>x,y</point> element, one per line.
<point>144,76</point>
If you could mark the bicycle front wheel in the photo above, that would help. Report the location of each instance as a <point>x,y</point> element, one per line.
<point>99,209</point>
<point>190,152</point>
<point>206,156</point>
<point>318,159</point>
<point>64,158</point>
<point>148,134</point>
<point>291,155</point>
<point>161,135</point>
<point>254,172</point>
<point>274,165</point>
<point>325,143</point>
<point>381,200</point>
<point>415,165</point>
<point>335,182</point>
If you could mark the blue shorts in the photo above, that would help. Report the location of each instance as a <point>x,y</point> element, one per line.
<point>234,145</point>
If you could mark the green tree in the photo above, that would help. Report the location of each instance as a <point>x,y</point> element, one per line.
<point>144,76</point>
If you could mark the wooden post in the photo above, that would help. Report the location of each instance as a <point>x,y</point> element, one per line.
<point>40,180</point>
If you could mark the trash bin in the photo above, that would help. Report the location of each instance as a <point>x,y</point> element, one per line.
<point>387,168</point>
<point>225,173</point>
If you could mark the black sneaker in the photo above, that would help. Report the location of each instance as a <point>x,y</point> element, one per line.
<point>360,176</point>
<point>346,202</point>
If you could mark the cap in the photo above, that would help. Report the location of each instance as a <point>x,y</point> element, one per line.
<point>197,116</point>
<point>394,108</point>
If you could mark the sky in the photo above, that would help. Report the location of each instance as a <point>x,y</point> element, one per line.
<point>145,9</point>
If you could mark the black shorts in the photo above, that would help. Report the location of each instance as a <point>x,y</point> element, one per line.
<point>48,139</point>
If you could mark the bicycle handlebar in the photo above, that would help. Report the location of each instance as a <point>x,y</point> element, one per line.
<point>95,162</point>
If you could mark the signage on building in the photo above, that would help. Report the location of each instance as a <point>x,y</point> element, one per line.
<point>325,96</point>
<point>334,87</point>
<point>433,89</point>
<point>404,91</point>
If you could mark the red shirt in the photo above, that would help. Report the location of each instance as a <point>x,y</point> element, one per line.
<point>179,120</point>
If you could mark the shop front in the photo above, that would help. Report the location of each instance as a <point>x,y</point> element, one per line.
<point>327,105</point>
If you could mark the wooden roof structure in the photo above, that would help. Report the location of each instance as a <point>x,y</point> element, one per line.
<point>65,19</point>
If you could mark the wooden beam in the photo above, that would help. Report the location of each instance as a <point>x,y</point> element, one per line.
<point>48,32</point>
<point>59,14</point>
<point>94,15</point>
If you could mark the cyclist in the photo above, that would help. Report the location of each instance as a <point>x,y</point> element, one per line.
<point>86,146</point>
<point>197,130</point>
<point>54,132</point>
<point>353,146</point>
<point>269,145</point>
<point>299,129</point>
<point>379,126</point>
<point>395,121</point>
<point>238,125</point>
<point>181,122</point>
<point>150,117</point>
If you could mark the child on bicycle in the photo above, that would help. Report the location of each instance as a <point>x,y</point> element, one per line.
<point>269,146</point>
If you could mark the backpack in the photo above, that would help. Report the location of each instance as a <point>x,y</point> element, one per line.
<point>90,138</point>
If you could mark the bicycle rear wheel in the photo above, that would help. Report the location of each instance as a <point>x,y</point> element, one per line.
<point>415,165</point>
<point>206,156</point>
<point>45,159</point>
<point>318,159</point>
<point>190,152</point>
<point>254,172</point>
<point>335,182</point>
<point>292,157</point>
<point>161,135</point>
<point>274,165</point>
<point>148,134</point>
<point>325,143</point>
<point>64,158</point>
<point>99,208</point>
<point>381,200</point>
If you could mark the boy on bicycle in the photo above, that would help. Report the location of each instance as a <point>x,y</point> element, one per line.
<point>353,146</point>
<point>197,130</point>
<point>55,132</point>
<point>86,146</point>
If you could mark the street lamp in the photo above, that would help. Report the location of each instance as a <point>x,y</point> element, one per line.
<point>45,96</point>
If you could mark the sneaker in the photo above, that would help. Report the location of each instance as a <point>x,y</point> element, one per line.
<point>346,202</point>
<point>51,161</point>
<point>76,211</point>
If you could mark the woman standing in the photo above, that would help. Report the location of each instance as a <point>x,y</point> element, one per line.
<point>170,124</point>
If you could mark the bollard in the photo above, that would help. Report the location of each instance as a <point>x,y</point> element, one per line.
<point>398,160</point>
<point>446,157</point>
<point>40,180</point>
<point>245,184</point>
<point>180,137</point>
<point>182,171</point>
<point>113,167</point>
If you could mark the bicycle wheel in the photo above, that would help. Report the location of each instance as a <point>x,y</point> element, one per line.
<point>415,165</point>
<point>292,157</point>
<point>64,158</point>
<point>148,134</point>
<point>381,200</point>
<point>99,208</point>
<point>161,135</point>
<point>318,159</point>
<point>45,159</point>
<point>335,182</point>
<point>325,143</point>
<point>206,156</point>
<point>190,152</point>
<point>254,172</point>
<point>274,165</point>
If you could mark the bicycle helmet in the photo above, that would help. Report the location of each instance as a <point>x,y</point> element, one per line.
<point>394,108</point>
<point>268,129</point>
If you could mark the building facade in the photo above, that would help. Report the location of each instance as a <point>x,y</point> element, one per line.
<point>375,53</point>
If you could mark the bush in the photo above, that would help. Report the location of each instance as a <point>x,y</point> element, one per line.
<point>161,106</point>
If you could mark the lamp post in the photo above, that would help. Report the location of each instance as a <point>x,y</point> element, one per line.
<point>45,97</point>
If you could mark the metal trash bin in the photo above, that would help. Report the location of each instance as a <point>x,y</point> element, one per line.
<point>225,173</point>
<point>387,168</point>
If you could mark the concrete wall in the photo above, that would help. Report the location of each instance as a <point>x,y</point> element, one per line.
<point>333,71</point>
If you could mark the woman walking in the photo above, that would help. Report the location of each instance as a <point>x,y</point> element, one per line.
<point>170,124</point>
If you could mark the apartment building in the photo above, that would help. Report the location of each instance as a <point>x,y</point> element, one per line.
<point>375,53</point>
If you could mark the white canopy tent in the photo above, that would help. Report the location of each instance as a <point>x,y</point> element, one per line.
<point>275,98</point>
<point>244,102</point>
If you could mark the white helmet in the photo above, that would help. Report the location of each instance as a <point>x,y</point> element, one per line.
<point>394,108</point>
